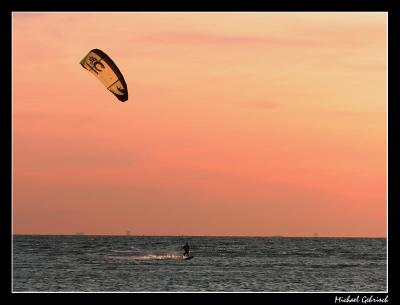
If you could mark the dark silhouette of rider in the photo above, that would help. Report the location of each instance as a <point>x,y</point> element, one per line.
<point>186,247</point>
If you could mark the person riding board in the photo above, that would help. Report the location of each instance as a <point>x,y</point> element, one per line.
<point>186,247</point>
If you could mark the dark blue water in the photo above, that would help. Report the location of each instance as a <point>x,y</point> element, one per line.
<point>266,264</point>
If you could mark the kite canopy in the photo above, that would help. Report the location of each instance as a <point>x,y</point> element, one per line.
<point>106,71</point>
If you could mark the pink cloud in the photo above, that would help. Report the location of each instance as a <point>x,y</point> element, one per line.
<point>203,38</point>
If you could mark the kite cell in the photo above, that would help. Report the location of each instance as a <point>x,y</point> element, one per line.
<point>106,71</point>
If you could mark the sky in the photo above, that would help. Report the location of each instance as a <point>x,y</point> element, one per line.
<point>237,124</point>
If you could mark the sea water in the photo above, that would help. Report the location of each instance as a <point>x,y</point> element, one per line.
<point>227,264</point>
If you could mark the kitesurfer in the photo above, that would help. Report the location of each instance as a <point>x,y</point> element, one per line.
<point>186,247</point>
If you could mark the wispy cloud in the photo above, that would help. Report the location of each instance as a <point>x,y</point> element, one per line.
<point>204,38</point>
<point>258,104</point>
<point>366,115</point>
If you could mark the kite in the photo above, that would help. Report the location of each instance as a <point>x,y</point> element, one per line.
<point>105,70</point>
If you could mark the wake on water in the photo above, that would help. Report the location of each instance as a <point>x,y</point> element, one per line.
<point>150,256</point>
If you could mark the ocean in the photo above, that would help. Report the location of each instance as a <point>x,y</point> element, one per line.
<point>83,263</point>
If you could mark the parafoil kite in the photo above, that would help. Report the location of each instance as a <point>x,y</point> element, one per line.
<point>100,65</point>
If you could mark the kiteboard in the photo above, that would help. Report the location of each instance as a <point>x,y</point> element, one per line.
<point>188,257</point>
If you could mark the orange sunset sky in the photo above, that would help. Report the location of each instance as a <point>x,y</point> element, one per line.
<point>252,124</point>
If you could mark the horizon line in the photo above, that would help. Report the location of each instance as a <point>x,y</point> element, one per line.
<point>150,235</point>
